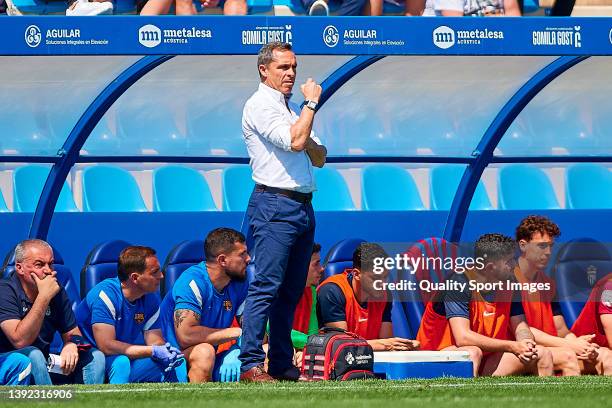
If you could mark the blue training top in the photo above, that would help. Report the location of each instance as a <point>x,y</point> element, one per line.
<point>194,291</point>
<point>105,303</point>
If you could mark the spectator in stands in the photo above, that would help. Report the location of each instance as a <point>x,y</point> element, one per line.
<point>456,8</point>
<point>33,307</point>
<point>351,302</point>
<point>120,316</point>
<point>186,7</point>
<point>572,354</point>
<point>197,314</point>
<point>596,320</point>
<point>15,369</point>
<point>483,323</point>
<point>283,149</point>
<point>347,7</point>
<point>375,7</point>
<point>89,8</point>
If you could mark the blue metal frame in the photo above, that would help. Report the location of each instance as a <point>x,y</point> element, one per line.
<point>245,160</point>
<point>496,130</point>
<point>69,153</point>
<point>343,74</point>
<point>330,159</point>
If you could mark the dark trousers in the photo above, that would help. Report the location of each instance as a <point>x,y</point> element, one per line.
<point>280,239</point>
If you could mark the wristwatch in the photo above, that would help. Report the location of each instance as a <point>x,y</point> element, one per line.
<point>312,105</point>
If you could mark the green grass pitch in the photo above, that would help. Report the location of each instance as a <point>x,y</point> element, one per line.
<point>515,392</point>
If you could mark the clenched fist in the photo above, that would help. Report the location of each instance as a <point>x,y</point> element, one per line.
<point>311,90</point>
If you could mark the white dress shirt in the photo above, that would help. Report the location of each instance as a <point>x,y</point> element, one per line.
<point>266,123</point>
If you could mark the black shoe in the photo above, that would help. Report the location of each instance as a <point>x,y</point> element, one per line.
<point>290,374</point>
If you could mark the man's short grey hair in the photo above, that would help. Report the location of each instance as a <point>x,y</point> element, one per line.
<point>266,53</point>
<point>22,247</point>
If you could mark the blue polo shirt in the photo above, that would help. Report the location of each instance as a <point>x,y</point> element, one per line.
<point>14,304</point>
<point>194,291</point>
<point>105,303</point>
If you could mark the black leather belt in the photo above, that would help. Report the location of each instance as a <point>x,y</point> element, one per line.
<point>294,195</point>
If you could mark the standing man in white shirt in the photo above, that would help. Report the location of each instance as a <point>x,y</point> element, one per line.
<point>283,149</point>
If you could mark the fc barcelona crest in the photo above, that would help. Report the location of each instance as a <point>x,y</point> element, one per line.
<point>227,305</point>
<point>139,318</point>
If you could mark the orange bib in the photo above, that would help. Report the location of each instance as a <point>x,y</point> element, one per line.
<point>301,319</point>
<point>365,322</point>
<point>538,310</point>
<point>491,319</point>
<point>588,322</point>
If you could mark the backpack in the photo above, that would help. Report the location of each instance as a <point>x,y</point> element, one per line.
<point>335,354</point>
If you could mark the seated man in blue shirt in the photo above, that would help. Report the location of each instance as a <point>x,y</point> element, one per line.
<point>197,314</point>
<point>33,307</point>
<point>120,316</point>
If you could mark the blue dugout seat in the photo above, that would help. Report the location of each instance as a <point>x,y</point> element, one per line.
<point>237,187</point>
<point>444,181</point>
<point>110,189</point>
<point>588,186</point>
<point>409,305</point>
<point>579,264</point>
<point>332,192</point>
<point>101,263</point>
<point>340,256</point>
<point>523,187</point>
<point>181,257</point>
<point>179,188</point>
<point>64,278</point>
<point>28,182</point>
<point>389,188</point>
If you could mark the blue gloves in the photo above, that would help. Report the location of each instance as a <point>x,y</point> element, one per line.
<point>230,368</point>
<point>167,357</point>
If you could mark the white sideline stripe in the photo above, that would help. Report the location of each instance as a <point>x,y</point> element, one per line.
<point>25,373</point>
<point>196,291</point>
<point>152,320</point>
<point>296,387</point>
<point>108,303</point>
<point>419,356</point>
